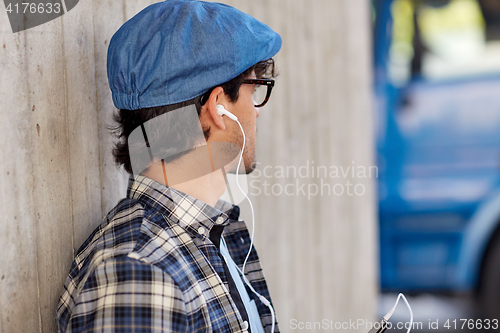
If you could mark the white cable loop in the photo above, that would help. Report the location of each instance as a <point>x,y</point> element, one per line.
<point>388,315</point>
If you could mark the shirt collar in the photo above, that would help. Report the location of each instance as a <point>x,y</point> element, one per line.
<point>193,215</point>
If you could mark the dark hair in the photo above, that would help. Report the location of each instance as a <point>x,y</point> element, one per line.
<point>128,120</point>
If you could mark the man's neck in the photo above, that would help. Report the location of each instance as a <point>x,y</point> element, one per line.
<point>207,188</point>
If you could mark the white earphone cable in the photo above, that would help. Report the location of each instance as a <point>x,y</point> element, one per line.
<point>262,298</point>
<point>248,199</point>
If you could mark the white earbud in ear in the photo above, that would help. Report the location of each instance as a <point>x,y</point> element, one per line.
<point>221,110</point>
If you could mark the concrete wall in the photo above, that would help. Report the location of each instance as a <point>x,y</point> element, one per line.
<point>58,179</point>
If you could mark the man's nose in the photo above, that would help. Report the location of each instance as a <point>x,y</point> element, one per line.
<point>257,112</point>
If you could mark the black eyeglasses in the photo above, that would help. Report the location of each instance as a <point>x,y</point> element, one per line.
<point>263,88</point>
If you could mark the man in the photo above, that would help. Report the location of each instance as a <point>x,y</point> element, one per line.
<point>167,258</point>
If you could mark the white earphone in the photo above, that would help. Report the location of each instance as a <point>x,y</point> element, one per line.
<point>221,110</point>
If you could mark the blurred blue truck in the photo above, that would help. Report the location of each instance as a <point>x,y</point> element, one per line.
<point>438,154</point>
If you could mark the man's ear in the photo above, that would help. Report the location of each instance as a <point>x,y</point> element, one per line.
<point>210,108</point>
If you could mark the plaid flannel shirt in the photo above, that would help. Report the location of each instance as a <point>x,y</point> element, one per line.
<point>151,267</point>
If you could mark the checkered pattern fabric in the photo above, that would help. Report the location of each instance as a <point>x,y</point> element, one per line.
<point>151,267</point>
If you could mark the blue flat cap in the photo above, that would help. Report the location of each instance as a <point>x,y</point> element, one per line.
<point>176,50</point>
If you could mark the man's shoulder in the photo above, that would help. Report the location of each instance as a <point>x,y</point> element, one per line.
<point>117,230</point>
<point>130,229</point>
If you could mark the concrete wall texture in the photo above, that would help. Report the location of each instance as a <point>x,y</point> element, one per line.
<point>58,179</point>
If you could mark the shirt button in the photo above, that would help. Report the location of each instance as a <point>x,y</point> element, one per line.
<point>201,230</point>
<point>219,220</point>
<point>244,326</point>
